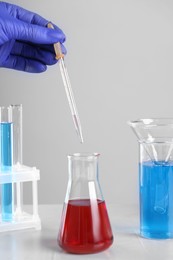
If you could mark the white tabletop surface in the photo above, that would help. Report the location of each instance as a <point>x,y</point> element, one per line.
<point>42,245</point>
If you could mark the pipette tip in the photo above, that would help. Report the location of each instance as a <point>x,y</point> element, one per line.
<point>79,133</point>
<point>81,139</point>
<point>78,128</point>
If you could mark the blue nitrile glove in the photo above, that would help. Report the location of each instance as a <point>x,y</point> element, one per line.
<point>26,43</point>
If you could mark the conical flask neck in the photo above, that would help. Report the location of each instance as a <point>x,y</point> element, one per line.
<point>83,177</point>
<point>83,166</point>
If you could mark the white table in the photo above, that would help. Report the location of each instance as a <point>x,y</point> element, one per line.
<point>42,245</point>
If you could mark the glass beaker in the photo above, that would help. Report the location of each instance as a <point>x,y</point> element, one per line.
<point>85,226</point>
<point>155,138</point>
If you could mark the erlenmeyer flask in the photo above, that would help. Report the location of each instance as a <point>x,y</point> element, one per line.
<point>85,226</point>
<point>155,138</point>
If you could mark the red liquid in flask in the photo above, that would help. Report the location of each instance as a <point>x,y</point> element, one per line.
<point>85,227</point>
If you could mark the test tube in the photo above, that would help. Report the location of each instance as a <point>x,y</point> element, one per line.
<point>6,148</point>
<point>15,114</point>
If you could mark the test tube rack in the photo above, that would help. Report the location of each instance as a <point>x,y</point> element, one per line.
<point>20,219</point>
<point>13,175</point>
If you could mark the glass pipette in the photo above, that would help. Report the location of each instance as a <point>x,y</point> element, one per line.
<point>68,88</point>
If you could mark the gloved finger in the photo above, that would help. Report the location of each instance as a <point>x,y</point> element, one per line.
<point>49,47</point>
<point>33,52</point>
<point>33,18</point>
<point>23,64</point>
<point>33,33</point>
<point>25,15</point>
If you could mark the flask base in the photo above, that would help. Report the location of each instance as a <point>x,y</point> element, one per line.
<point>88,248</point>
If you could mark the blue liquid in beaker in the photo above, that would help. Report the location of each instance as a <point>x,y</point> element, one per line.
<point>6,165</point>
<point>156,199</point>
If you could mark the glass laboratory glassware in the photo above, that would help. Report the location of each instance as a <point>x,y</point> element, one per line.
<point>15,116</point>
<point>85,226</point>
<point>155,138</point>
<point>6,162</point>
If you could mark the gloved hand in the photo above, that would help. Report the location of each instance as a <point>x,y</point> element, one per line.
<point>25,42</point>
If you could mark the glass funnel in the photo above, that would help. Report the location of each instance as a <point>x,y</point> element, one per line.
<point>155,138</point>
<point>85,226</point>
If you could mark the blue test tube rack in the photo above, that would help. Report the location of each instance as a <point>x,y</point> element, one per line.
<point>13,174</point>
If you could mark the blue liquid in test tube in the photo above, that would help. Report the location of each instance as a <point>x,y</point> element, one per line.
<point>6,165</point>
